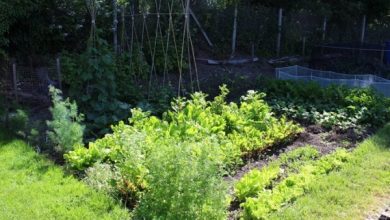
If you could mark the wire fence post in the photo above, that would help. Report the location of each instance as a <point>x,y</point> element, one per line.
<point>383,54</point>
<point>58,68</point>
<point>14,80</point>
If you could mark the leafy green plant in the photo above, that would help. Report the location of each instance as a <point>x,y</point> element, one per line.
<point>257,180</point>
<point>92,83</point>
<point>64,130</point>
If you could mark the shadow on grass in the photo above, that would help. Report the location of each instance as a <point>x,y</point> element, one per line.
<point>6,136</point>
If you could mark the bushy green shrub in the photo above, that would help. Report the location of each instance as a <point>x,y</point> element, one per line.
<point>183,182</point>
<point>18,122</point>
<point>64,130</point>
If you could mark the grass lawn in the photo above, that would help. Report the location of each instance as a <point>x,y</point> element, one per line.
<point>351,192</point>
<point>31,187</point>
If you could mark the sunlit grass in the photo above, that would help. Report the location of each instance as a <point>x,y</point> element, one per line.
<point>352,192</point>
<point>31,187</point>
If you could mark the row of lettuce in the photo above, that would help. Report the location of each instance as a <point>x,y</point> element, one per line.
<point>263,192</point>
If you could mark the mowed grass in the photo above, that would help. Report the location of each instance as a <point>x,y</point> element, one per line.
<point>352,192</point>
<point>32,187</point>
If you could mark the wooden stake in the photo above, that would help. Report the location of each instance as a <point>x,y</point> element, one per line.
<point>363,29</point>
<point>115,25</point>
<point>304,46</point>
<point>324,26</point>
<point>234,37</point>
<point>201,28</point>
<point>14,79</point>
<point>59,75</point>
<point>280,20</point>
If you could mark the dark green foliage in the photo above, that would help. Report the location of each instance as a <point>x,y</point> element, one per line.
<point>18,122</point>
<point>334,106</point>
<point>93,83</point>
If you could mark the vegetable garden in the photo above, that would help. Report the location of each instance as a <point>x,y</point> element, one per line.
<point>146,128</point>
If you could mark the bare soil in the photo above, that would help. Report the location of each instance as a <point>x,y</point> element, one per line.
<point>325,141</point>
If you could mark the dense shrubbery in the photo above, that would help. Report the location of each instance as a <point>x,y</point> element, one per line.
<point>334,106</point>
<point>173,167</point>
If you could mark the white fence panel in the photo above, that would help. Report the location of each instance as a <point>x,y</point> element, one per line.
<point>326,78</point>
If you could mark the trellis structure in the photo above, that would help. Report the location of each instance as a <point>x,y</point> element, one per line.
<point>150,34</point>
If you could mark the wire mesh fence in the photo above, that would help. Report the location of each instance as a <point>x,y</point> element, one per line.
<point>27,83</point>
<point>326,78</point>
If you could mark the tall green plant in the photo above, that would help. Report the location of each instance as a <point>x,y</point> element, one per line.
<point>93,83</point>
<point>65,130</point>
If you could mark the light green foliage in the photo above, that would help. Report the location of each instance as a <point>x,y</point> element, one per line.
<point>101,177</point>
<point>293,186</point>
<point>164,178</point>
<point>240,129</point>
<point>64,130</point>
<point>184,182</point>
<point>33,188</point>
<point>257,180</point>
<point>173,167</point>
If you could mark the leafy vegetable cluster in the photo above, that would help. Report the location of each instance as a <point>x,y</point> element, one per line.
<point>331,107</point>
<point>174,165</point>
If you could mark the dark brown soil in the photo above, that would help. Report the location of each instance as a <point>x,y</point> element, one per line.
<point>323,140</point>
